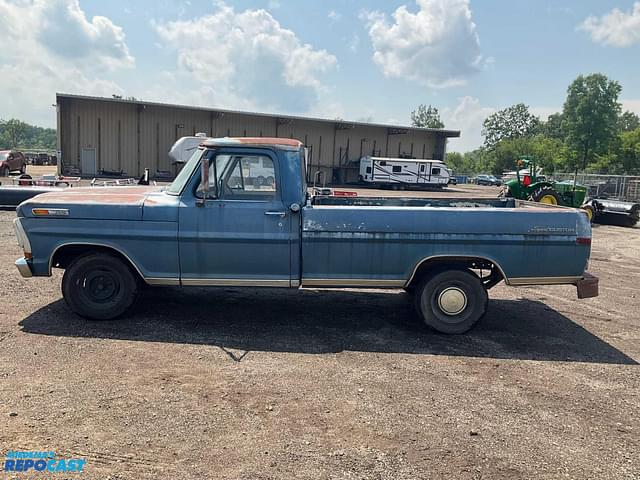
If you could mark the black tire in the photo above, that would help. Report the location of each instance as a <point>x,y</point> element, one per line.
<point>99,286</point>
<point>4,172</point>
<point>260,181</point>
<point>271,181</point>
<point>543,192</point>
<point>463,284</point>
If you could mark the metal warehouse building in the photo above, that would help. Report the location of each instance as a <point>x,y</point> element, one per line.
<point>96,134</point>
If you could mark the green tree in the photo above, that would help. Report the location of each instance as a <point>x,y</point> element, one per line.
<point>13,132</point>
<point>629,151</point>
<point>590,117</point>
<point>426,117</point>
<point>512,122</point>
<point>20,135</point>
<point>552,128</point>
<point>628,121</point>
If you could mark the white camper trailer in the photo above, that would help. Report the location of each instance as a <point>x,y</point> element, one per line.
<point>404,172</point>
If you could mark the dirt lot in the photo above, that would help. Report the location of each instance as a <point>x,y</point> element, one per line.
<point>328,384</point>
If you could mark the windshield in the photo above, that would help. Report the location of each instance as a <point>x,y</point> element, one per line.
<point>183,177</point>
<point>4,156</point>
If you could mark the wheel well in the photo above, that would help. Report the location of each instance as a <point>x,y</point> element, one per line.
<point>64,255</point>
<point>488,271</point>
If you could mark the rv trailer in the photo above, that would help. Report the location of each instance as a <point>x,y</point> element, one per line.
<point>400,172</point>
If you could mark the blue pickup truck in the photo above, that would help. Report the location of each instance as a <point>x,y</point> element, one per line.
<point>240,214</point>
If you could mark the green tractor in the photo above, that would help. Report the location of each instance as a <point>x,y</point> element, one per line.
<point>530,187</point>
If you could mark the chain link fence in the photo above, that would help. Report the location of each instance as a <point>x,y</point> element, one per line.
<point>621,187</point>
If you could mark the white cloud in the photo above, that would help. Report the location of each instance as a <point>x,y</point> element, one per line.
<point>334,16</point>
<point>437,46</point>
<point>50,46</point>
<point>467,117</point>
<point>247,59</point>
<point>616,28</point>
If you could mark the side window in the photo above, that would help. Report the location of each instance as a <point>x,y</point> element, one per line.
<point>250,177</point>
<point>383,164</point>
<point>396,169</point>
<point>435,171</point>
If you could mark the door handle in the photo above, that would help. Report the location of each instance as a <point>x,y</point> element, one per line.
<point>275,214</point>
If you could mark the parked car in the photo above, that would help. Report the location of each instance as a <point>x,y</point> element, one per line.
<point>214,226</point>
<point>488,180</point>
<point>11,161</point>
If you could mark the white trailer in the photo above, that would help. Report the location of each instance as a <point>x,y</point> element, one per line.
<point>404,171</point>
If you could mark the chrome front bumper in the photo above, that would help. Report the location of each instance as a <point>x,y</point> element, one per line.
<point>23,267</point>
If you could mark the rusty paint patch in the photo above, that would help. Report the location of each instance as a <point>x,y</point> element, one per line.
<point>112,195</point>
<point>256,141</point>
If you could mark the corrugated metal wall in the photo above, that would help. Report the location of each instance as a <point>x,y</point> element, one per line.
<point>131,137</point>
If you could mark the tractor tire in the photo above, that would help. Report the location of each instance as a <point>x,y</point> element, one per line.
<point>546,195</point>
<point>590,211</point>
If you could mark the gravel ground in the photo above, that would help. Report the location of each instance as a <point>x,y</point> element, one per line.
<point>318,384</point>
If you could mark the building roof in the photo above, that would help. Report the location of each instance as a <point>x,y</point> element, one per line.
<point>338,123</point>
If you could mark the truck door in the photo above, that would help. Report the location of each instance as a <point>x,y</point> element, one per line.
<point>241,235</point>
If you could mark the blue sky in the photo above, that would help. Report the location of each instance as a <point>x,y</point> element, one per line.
<point>358,60</point>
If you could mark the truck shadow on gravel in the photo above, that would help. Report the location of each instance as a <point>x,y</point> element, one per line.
<point>326,321</point>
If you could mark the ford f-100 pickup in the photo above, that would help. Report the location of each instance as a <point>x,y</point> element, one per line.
<point>225,222</point>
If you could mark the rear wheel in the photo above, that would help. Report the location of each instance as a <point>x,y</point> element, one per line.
<point>546,195</point>
<point>451,301</point>
<point>99,286</point>
<point>4,172</point>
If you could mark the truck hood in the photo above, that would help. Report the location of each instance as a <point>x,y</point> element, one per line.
<point>96,203</point>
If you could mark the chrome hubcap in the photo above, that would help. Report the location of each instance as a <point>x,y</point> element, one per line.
<point>452,300</point>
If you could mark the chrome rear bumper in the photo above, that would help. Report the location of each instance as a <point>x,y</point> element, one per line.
<point>23,267</point>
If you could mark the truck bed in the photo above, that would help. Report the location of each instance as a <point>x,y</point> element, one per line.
<point>384,239</point>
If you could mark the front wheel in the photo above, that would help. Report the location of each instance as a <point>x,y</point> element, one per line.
<point>452,301</point>
<point>99,286</point>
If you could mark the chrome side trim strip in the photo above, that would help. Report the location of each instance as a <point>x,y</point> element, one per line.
<point>233,282</point>
<point>544,281</point>
<point>413,274</point>
<point>162,281</point>
<point>351,282</point>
